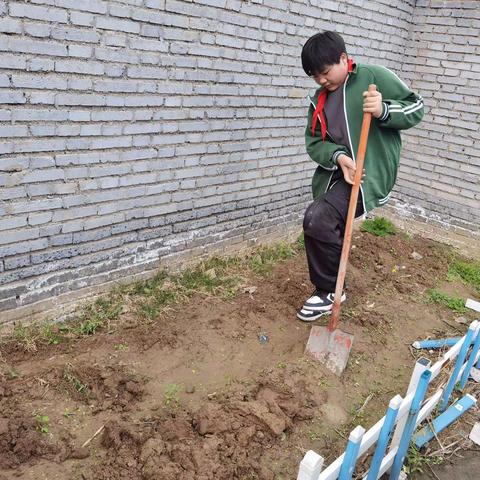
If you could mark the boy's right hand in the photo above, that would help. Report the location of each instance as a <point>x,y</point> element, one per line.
<point>348,168</point>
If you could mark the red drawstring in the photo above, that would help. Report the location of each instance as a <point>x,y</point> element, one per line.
<point>322,97</point>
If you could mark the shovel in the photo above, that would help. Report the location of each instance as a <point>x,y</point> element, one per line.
<point>329,344</point>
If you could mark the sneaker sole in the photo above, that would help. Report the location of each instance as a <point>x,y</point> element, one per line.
<point>312,319</point>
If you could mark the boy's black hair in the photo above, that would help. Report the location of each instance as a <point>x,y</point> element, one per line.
<point>322,50</point>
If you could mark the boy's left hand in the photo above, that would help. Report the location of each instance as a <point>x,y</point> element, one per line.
<point>372,103</point>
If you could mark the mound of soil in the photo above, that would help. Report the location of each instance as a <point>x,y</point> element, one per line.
<point>222,440</point>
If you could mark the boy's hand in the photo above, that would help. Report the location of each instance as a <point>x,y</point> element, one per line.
<point>348,168</point>
<point>372,103</point>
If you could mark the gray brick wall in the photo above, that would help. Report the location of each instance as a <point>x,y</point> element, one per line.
<point>439,179</point>
<point>140,133</point>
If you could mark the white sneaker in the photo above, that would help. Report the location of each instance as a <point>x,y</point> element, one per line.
<point>321,301</point>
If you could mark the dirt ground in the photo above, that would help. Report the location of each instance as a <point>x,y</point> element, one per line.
<point>196,395</point>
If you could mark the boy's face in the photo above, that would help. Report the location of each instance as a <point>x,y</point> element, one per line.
<point>333,76</point>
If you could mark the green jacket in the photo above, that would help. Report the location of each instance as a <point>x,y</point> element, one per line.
<point>402,109</point>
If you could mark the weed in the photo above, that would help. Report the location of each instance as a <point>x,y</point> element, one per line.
<point>26,336</point>
<point>468,272</point>
<point>43,423</point>
<point>89,326</point>
<point>50,333</point>
<point>379,226</point>
<point>150,307</point>
<point>98,314</point>
<point>323,384</point>
<point>68,414</point>
<point>301,241</point>
<point>416,461</point>
<point>454,303</point>
<point>74,381</point>
<point>149,286</point>
<point>265,259</point>
<point>121,346</point>
<point>313,435</point>
<point>171,398</point>
<point>11,374</point>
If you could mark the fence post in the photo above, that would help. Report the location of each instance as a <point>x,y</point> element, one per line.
<point>351,453</point>
<point>310,466</point>
<point>458,365</point>
<point>410,424</point>
<point>421,365</point>
<point>384,437</point>
<point>471,359</point>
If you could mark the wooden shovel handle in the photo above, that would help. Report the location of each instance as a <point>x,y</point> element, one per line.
<point>352,206</point>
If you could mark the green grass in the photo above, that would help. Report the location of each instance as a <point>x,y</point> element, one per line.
<point>468,272</point>
<point>379,226</point>
<point>171,397</point>
<point>99,314</point>
<point>416,462</point>
<point>452,302</point>
<point>74,382</point>
<point>300,244</point>
<point>43,423</point>
<point>264,260</point>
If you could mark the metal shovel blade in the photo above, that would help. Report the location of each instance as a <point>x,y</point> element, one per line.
<point>330,348</point>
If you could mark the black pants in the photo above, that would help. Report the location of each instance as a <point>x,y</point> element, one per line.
<point>324,229</point>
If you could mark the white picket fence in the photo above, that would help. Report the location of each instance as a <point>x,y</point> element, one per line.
<point>311,467</point>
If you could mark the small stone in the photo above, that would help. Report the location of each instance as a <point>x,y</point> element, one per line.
<point>3,426</point>
<point>461,320</point>
<point>475,434</point>
<point>416,256</point>
<point>80,453</point>
<point>211,273</point>
<point>190,389</point>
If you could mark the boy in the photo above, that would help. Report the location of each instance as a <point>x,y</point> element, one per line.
<point>332,137</point>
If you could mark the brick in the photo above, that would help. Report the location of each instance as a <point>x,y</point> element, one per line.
<point>38,47</point>
<point>49,82</point>
<point>81,18</point>
<point>77,66</point>
<point>151,45</point>
<point>40,65</point>
<point>117,25</point>
<point>18,261</point>
<point>13,131</point>
<point>11,97</point>
<point>13,222</point>
<point>34,115</point>
<point>37,12</point>
<point>18,235</point>
<point>37,30</point>
<point>10,25</point>
<point>115,55</point>
<point>94,6</point>
<point>155,4</point>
